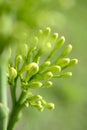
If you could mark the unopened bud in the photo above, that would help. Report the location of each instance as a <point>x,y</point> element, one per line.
<point>63,62</point>
<point>55,69</point>
<point>73,62</point>
<point>47,84</point>
<point>54,37</point>
<point>47,75</point>
<point>45,65</point>
<point>50,106</point>
<point>60,42</point>
<point>66,51</point>
<point>47,31</point>
<point>19,59</point>
<point>31,68</point>
<point>24,50</point>
<point>64,75</point>
<point>12,72</point>
<point>35,85</point>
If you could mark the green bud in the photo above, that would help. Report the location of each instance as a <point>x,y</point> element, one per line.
<point>58,44</point>
<point>18,61</point>
<point>53,38</point>
<point>34,85</point>
<point>64,75</point>
<point>50,106</point>
<point>55,69</point>
<point>25,50</point>
<point>32,68</point>
<point>63,62</point>
<point>47,75</point>
<point>45,65</point>
<point>12,72</point>
<point>46,31</point>
<point>73,62</point>
<point>39,106</point>
<point>47,84</point>
<point>43,76</point>
<point>35,98</point>
<point>66,51</point>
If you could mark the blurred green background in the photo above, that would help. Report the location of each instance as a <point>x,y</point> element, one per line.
<point>68,18</point>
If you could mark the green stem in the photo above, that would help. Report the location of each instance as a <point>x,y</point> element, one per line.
<point>15,114</point>
<point>13,92</point>
<point>3,92</point>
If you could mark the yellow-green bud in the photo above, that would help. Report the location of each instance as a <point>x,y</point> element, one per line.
<point>73,62</point>
<point>47,75</point>
<point>45,65</point>
<point>55,69</point>
<point>19,59</point>
<point>39,106</point>
<point>60,42</point>
<point>47,84</point>
<point>34,85</point>
<point>66,51</point>
<point>64,75</point>
<point>12,72</point>
<point>24,50</point>
<point>54,37</point>
<point>47,31</point>
<point>31,68</point>
<point>50,106</point>
<point>63,62</point>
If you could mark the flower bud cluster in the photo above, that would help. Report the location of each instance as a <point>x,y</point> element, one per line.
<point>37,64</point>
<point>38,102</point>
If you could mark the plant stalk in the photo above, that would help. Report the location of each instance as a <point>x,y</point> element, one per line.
<point>3,92</point>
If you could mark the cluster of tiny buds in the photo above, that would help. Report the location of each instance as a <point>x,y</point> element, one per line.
<point>35,67</point>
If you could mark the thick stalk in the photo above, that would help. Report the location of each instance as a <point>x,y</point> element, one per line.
<point>14,116</point>
<point>16,111</point>
<point>3,92</point>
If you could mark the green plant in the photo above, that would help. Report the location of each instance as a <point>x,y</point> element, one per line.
<point>34,65</point>
<point>28,66</point>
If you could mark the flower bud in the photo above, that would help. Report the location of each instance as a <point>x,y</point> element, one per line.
<point>12,72</point>
<point>45,65</point>
<point>50,106</point>
<point>47,84</point>
<point>55,69</point>
<point>73,62</point>
<point>60,42</point>
<point>47,75</point>
<point>18,61</point>
<point>24,50</point>
<point>35,98</point>
<point>46,31</point>
<point>31,68</point>
<point>34,85</point>
<point>66,51</point>
<point>39,106</point>
<point>63,62</point>
<point>64,75</point>
<point>53,38</point>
